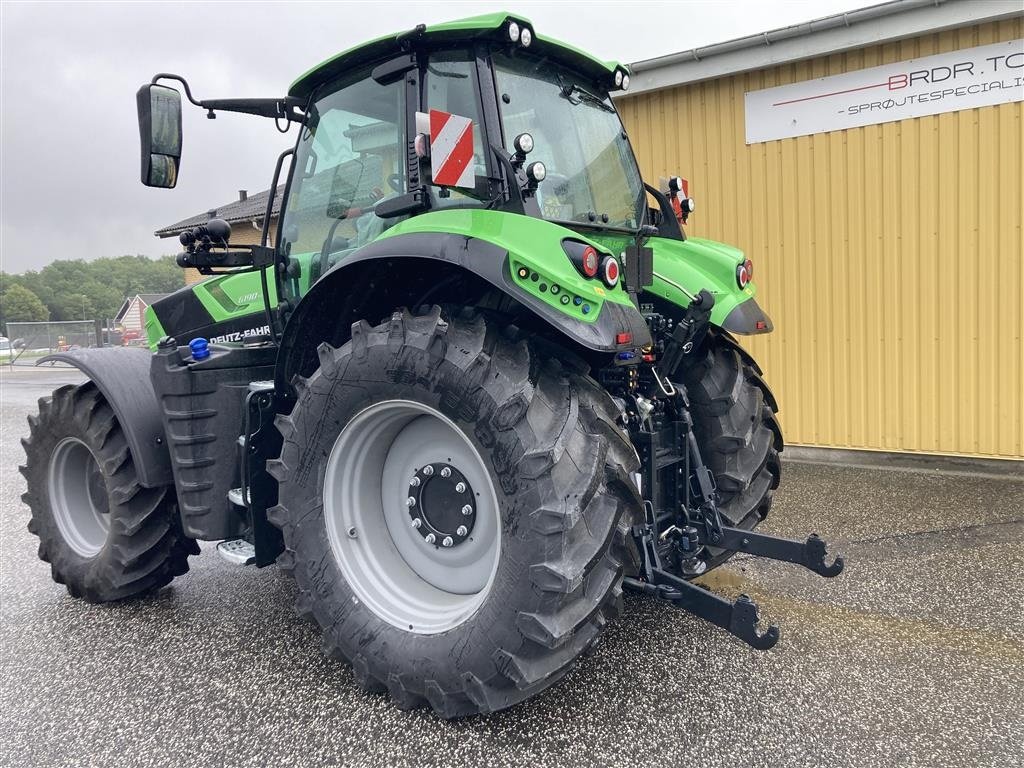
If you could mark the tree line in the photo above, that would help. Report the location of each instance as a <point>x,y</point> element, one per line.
<point>84,290</point>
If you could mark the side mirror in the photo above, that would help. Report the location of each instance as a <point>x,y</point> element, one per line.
<point>159,134</point>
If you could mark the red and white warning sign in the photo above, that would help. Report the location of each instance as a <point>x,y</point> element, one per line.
<point>451,150</point>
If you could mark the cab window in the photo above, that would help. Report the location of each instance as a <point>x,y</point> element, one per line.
<point>348,160</point>
<point>451,86</point>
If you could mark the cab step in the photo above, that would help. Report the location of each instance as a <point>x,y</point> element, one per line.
<point>236,498</point>
<point>237,551</point>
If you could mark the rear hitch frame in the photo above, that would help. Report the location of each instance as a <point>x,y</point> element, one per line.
<point>739,618</point>
<point>707,523</point>
<point>699,525</point>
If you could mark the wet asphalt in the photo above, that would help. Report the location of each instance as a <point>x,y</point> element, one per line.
<point>914,656</point>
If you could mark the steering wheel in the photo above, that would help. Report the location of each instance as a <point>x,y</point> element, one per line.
<point>395,182</point>
<point>556,184</point>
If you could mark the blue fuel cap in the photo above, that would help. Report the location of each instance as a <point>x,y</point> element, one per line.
<point>200,349</point>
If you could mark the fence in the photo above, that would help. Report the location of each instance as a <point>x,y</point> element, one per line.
<point>27,342</point>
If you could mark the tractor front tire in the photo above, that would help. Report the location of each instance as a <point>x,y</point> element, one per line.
<point>104,535</point>
<point>455,509</point>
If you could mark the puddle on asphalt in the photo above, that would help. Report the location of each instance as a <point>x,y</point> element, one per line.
<point>725,577</point>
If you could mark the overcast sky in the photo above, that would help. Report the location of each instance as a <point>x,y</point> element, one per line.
<point>69,166</point>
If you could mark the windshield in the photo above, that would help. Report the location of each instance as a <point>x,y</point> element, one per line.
<point>592,176</point>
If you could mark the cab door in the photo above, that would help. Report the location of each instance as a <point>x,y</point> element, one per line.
<point>349,159</point>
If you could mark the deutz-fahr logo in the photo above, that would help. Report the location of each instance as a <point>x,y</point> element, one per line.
<point>263,330</point>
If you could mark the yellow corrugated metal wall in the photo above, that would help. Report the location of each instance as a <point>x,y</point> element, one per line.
<point>888,257</point>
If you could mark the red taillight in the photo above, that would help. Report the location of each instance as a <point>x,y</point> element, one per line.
<point>623,338</point>
<point>744,273</point>
<point>611,271</point>
<point>587,260</point>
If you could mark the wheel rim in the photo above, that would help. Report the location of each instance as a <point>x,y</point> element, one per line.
<point>78,497</point>
<point>376,480</point>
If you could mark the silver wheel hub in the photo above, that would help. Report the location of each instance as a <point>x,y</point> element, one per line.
<point>78,497</point>
<point>412,516</point>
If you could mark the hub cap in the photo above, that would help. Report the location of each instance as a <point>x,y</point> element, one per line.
<point>441,505</point>
<point>78,497</point>
<point>412,516</point>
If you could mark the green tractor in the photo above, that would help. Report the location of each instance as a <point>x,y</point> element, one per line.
<point>480,383</point>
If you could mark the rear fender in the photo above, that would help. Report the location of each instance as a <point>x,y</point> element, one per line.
<point>483,258</point>
<point>122,376</point>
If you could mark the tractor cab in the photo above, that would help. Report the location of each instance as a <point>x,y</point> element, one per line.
<point>501,120</point>
<point>482,114</point>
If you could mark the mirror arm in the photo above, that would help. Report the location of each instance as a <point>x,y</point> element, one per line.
<point>288,107</point>
<point>180,79</point>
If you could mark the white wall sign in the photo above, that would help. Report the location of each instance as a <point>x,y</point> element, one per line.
<point>972,77</point>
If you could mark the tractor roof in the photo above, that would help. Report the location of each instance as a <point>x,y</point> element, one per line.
<point>467,30</point>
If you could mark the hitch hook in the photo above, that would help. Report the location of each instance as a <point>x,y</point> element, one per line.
<point>744,625</point>
<point>814,558</point>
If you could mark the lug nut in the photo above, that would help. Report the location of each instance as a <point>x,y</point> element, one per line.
<point>446,472</point>
<point>410,502</point>
<point>414,482</point>
<point>462,530</point>
<point>460,487</point>
<point>428,470</point>
<point>416,523</point>
<point>430,538</point>
<point>447,541</point>
<point>467,510</point>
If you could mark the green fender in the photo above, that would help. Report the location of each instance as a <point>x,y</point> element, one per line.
<point>532,243</point>
<point>519,255</point>
<point>682,268</point>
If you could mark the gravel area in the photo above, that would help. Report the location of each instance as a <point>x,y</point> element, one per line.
<point>914,656</point>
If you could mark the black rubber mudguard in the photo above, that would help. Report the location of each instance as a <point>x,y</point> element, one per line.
<point>748,319</point>
<point>122,375</point>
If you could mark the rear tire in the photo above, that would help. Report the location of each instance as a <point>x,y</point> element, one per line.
<point>738,433</point>
<point>103,534</point>
<point>546,440</point>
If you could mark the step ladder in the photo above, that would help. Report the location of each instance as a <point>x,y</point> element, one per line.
<point>240,551</point>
